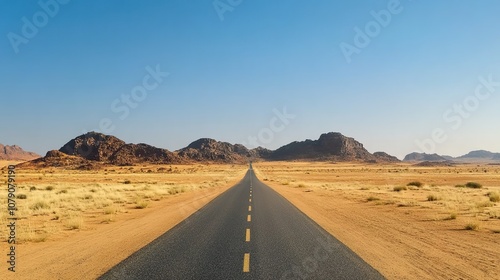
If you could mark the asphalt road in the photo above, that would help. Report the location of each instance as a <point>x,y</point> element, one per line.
<point>248,232</point>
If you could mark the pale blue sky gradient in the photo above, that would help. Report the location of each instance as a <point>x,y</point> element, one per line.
<point>226,77</point>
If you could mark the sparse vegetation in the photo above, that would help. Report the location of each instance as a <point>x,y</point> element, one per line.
<point>74,223</point>
<point>40,205</point>
<point>471,226</point>
<point>432,197</point>
<point>494,196</point>
<point>372,198</point>
<point>484,204</point>
<point>141,204</point>
<point>473,185</point>
<point>415,184</point>
<point>452,216</point>
<point>400,188</point>
<point>69,199</point>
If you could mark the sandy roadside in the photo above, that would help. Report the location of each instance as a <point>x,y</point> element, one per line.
<point>401,243</point>
<point>89,253</point>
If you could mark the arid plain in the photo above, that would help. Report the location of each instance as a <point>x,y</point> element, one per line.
<point>434,227</point>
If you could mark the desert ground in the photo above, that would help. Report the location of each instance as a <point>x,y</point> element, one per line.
<point>435,228</point>
<point>83,222</point>
<point>73,223</point>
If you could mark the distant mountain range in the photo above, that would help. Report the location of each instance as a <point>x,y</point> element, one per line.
<point>16,153</point>
<point>480,156</point>
<point>88,150</point>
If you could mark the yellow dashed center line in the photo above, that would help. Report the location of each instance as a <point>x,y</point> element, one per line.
<point>249,208</point>
<point>246,262</point>
<point>250,200</point>
<point>249,218</point>
<point>247,237</point>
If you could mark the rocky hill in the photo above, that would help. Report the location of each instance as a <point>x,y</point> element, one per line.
<point>95,149</point>
<point>385,157</point>
<point>329,146</point>
<point>16,153</point>
<point>206,149</point>
<point>480,156</point>
<point>424,157</point>
<point>93,146</point>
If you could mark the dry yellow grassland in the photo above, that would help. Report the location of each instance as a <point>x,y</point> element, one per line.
<point>432,231</point>
<point>53,202</point>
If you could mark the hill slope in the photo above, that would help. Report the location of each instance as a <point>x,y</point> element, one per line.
<point>16,153</point>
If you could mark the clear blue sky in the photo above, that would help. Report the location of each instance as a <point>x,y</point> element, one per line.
<point>227,76</point>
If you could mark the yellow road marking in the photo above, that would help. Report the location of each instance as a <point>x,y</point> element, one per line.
<point>249,208</point>
<point>250,200</point>
<point>250,194</point>
<point>249,218</point>
<point>246,263</point>
<point>247,238</point>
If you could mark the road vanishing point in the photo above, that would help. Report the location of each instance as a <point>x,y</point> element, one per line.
<point>248,232</point>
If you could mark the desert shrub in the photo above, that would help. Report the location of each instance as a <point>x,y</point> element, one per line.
<point>372,198</point>
<point>74,223</point>
<point>142,204</point>
<point>32,188</point>
<point>127,182</point>
<point>415,183</point>
<point>399,188</point>
<point>40,205</point>
<point>494,196</point>
<point>62,191</point>
<point>472,226</point>
<point>453,216</point>
<point>49,188</point>
<point>21,196</point>
<point>432,197</point>
<point>301,186</point>
<point>473,185</point>
<point>110,210</point>
<point>459,186</point>
<point>484,204</point>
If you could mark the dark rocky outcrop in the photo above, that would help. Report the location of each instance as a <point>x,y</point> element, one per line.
<point>206,149</point>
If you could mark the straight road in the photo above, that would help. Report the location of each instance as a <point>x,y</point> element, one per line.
<point>248,232</point>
